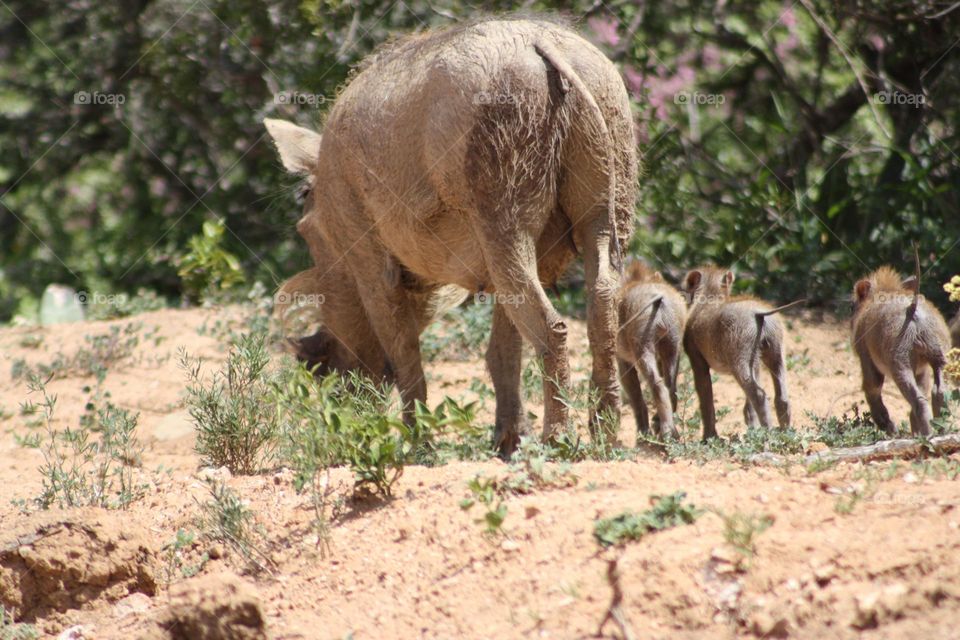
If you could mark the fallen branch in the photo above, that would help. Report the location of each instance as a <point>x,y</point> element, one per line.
<point>883,450</point>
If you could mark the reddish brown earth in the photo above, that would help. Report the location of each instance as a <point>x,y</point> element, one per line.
<point>419,566</point>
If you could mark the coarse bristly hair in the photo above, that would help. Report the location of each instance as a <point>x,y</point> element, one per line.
<point>637,271</point>
<point>887,279</point>
<point>409,43</point>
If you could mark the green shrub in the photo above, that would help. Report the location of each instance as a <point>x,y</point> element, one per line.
<point>100,352</point>
<point>225,518</point>
<point>236,424</point>
<point>667,512</point>
<point>486,493</point>
<point>461,334</point>
<point>741,530</point>
<point>207,269</point>
<point>88,465</point>
<point>10,630</point>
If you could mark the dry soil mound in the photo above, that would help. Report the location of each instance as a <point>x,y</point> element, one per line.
<point>55,561</point>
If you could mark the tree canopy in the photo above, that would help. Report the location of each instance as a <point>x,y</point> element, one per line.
<point>805,142</point>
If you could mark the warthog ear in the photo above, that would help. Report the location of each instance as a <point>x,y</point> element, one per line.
<point>298,147</point>
<point>861,290</point>
<point>692,280</point>
<point>910,284</point>
<point>727,280</point>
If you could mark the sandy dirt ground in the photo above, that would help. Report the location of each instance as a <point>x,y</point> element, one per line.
<point>883,565</point>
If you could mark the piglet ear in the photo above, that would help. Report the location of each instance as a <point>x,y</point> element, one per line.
<point>727,280</point>
<point>910,284</point>
<point>692,280</point>
<point>861,290</point>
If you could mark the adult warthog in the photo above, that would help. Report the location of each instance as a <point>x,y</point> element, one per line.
<point>484,156</point>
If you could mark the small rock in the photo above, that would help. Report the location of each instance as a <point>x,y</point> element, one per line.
<point>173,426</point>
<point>724,554</point>
<point>877,606</point>
<point>211,474</point>
<point>894,599</point>
<point>531,512</point>
<point>215,552</point>
<point>284,476</point>
<point>60,303</point>
<point>212,606</point>
<point>824,574</point>
<point>73,633</point>
<point>133,603</point>
<point>764,624</point>
<point>510,545</point>
<point>726,560</point>
<point>867,614</point>
<point>910,477</point>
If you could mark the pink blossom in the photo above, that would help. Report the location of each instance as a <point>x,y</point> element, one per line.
<point>711,58</point>
<point>784,48</point>
<point>789,18</point>
<point>605,30</point>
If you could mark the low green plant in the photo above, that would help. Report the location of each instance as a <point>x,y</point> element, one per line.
<point>937,468</point>
<point>666,512</point>
<point>99,353</point>
<point>11,630</point>
<point>798,360</point>
<point>207,270</point>
<point>344,420</point>
<point>176,567</point>
<point>530,470</point>
<point>450,431</point>
<point>30,341</point>
<point>460,334</point>
<point>122,305</point>
<point>531,379</point>
<point>741,530</point>
<point>236,424</point>
<point>88,465</point>
<point>225,518</point>
<point>485,492</point>
<point>845,431</point>
<point>867,480</point>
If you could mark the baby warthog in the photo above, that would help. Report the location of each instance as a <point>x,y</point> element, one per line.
<point>733,334</point>
<point>652,317</point>
<point>897,333</point>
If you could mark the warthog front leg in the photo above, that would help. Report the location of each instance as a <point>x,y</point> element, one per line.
<point>394,320</point>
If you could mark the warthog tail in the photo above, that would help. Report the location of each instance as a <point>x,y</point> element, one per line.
<point>569,78</point>
<point>763,314</point>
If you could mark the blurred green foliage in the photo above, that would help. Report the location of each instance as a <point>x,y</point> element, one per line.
<point>804,143</point>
